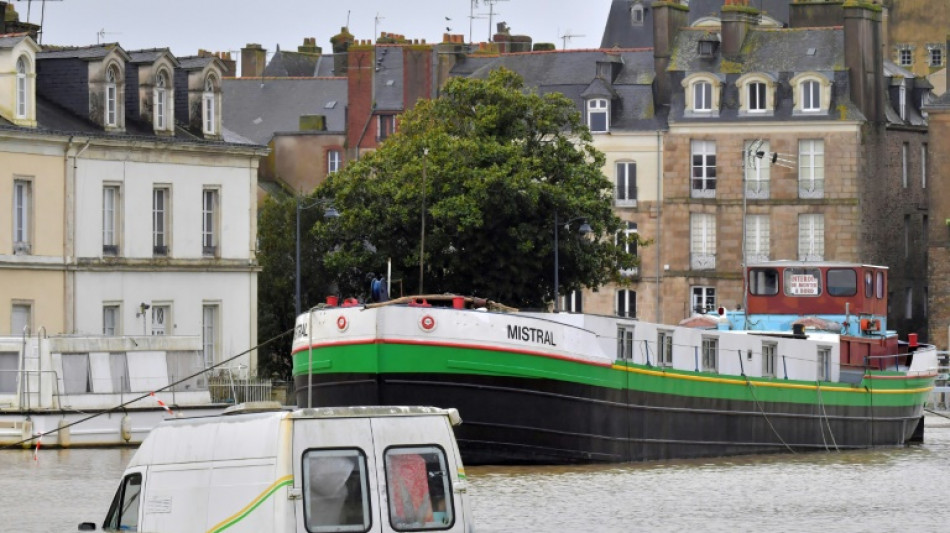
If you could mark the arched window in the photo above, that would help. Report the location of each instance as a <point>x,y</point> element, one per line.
<point>21,92</point>
<point>811,95</point>
<point>702,96</point>
<point>161,101</point>
<point>111,97</point>
<point>208,107</point>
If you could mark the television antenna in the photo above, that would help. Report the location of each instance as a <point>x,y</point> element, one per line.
<point>567,37</point>
<point>756,155</point>
<point>491,14</point>
<point>101,35</point>
<point>473,5</point>
<point>376,25</point>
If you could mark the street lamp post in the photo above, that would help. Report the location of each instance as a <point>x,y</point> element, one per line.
<point>583,230</point>
<point>329,212</point>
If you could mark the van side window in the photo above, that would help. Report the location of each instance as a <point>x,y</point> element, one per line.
<point>124,511</point>
<point>336,495</point>
<point>419,488</point>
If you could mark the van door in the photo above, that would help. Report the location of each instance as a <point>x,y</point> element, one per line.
<point>335,475</point>
<point>422,475</point>
<point>125,513</point>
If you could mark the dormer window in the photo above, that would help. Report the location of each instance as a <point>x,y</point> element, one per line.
<point>22,94</point>
<point>208,105</point>
<point>636,15</point>
<point>112,98</point>
<point>161,102</point>
<point>756,94</point>
<point>812,93</point>
<point>902,101</point>
<point>598,115</point>
<point>702,94</point>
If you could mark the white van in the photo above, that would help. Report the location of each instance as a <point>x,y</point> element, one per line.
<point>359,469</point>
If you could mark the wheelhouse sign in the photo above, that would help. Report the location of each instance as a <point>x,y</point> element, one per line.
<point>803,285</point>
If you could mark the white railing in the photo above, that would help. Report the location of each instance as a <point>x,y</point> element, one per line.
<point>227,389</point>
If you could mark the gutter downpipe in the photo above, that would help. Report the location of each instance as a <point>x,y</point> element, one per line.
<point>70,237</point>
<point>659,228</point>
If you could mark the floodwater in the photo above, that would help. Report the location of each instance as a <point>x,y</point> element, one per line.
<point>899,489</point>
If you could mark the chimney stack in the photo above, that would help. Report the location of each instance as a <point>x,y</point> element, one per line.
<point>737,17</point>
<point>668,18</point>
<point>341,43</point>
<point>864,59</point>
<point>253,61</point>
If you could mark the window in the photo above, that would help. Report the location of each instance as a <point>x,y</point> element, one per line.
<point>902,101</point>
<point>334,158</point>
<point>936,56</point>
<point>21,318</point>
<point>702,241</point>
<point>627,184</point>
<point>22,94</point>
<point>209,222</point>
<point>626,303</point>
<point>161,101</point>
<point>909,303</point>
<point>904,148</point>
<point>757,238</point>
<point>905,56</point>
<point>112,99</point>
<point>664,348</point>
<point>385,126</point>
<point>710,354</point>
<point>868,285</point>
<point>598,119</point>
<point>624,343</point>
<point>702,299</point>
<point>209,334</point>
<point>802,282</point>
<point>703,184</point>
<point>756,95</point>
<point>22,216</point>
<point>419,489</point>
<point>160,224</point>
<point>906,236</point>
<point>702,96</point>
<point>811,237</point>
<point>811,95</point>
<point>574,302</point>
<point>758,169</point>
<point>9,364</point>
<point>161,317</point>
<point>76,375</point>
<point>824,360</point>
<point>208,108</point>
<point>335,490</point>
<point>768,359</point>
<point>110,220</point>
<point>923,166</point>
<point>124,511</point>
<point>636,15</point>
<point>763,281</point>
<point>842,282</point>
<point>879,286</point>
<point>630,246</point>
<point>119,365</point>
<point>110,320</point>
<point>811,168</point>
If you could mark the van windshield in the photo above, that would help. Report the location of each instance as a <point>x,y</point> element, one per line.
<point>124,512</point>
<point>419,487</point>
<point>335,496</point>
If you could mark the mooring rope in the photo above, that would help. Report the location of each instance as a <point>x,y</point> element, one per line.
<point>821,404</point>
<point>766,416</point>
<point>147,394</point>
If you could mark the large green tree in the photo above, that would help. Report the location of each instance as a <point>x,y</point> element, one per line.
<point>493,164</point>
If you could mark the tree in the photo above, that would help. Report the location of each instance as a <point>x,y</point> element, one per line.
<point>499,162</point>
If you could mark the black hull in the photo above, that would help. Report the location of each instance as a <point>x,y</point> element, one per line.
<point>538,421</point>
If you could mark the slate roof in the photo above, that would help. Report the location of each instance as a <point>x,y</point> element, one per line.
<point>150,55</point>
<point>195,62</point>
<point>572,72</point>
<point>257,110</point>
<point>77,52</point>
<point>779,53</point>
<point>291,64</point>
<point>389,78</point>
<point>324,66</point>
<point>9,40</point>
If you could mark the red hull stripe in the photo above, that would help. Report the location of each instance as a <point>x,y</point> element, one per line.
<point>457,345</point>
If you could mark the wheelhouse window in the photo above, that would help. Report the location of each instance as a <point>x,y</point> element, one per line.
<point>703,169</point>
<point>22,216</point>
<point>110,220</point>
<point>769,350</point>
<point>763,281</point>
<point>811,237</point>
<point>208,111</point>
<point>702,299</point>
<point>626,184</point>
<point>124,512</point>
<point>160,226</point>
<point>664,348</point>
<point>842,282</point>
<point>710,354</point>
<point>702,228</point>
<point>161,102</point>
<point>112,98</point>
<point>22,91</point>
<point>598,115</point>
<point>802,282</point>
<point>811,168</point>
<point>419,489</point>
<point>335,490</point>
<point>879,285</point>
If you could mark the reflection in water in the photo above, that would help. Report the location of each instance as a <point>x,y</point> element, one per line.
<point>900,489</point>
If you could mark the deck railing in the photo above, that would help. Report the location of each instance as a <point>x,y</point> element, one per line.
<point>225,389</point>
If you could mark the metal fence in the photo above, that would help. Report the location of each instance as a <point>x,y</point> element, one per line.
<point>227,389</point>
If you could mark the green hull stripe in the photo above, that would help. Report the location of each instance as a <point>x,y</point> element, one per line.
<point>383,358</point>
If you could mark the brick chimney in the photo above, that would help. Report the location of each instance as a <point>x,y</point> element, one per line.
<point>341,43</point>
<point>360,126</point>
<point>253,60</point>
<point>815,13</point>
<point>737,18</point>
<point>863,58</point>
<point>309,46</point>
<point>668,18</point>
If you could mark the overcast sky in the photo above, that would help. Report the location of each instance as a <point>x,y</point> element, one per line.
<point>221,25</point>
